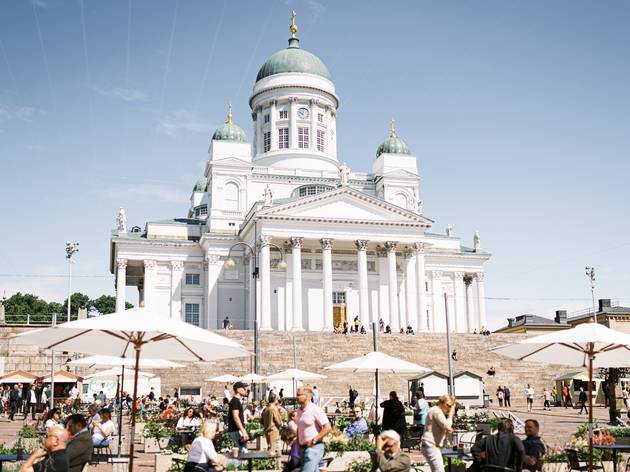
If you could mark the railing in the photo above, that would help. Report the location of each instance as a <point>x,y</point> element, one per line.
<point>589,311</point>
<point>39,320</point>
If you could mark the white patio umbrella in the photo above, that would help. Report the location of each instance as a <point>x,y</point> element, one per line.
<point>137,329</point>
<point>227,378</point>
<point>252,378</point>
<point>377,362</point>
<point>589,344</point>
<point>294,375</point>
<point>113,374</point>
<point>122,362</point>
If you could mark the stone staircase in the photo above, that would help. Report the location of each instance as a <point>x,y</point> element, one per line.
<point>314,351</point>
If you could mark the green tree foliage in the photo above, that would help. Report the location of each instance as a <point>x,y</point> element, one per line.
<point>78,300</point>
<point>106,304</point>
<point>25,304</point>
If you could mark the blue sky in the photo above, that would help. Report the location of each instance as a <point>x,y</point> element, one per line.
<point>519,113</point>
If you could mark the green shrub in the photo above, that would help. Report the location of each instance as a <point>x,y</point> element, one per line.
<point>27,432</point>
<point>360,466</point>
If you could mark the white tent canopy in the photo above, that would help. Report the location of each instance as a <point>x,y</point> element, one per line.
<point>113,374</point>
<point>106,361</point>
<point>252,378</point>
<point>295,374</point>
<point>380,361</point>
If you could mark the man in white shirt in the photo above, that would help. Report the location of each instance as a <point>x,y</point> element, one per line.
<point>32,403</point>
<point>74,392</point>
<point>529,394</point>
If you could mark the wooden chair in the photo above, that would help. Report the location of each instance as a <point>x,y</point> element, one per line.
<point>574,462</point>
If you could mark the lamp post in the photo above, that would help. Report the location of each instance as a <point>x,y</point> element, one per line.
<point>590,273</point>
<point>71,249</point>
<point>230,265</point>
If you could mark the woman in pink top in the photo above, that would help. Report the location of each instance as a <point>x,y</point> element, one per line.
<point>439,424</point>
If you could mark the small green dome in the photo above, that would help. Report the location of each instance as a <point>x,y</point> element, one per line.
<point>201,185</point>
<point>393,144</point>
<point>293,59</point>
<point>230,132</point>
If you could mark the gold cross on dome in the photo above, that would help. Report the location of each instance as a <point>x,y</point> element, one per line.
<point>392,127</point>
<point>293,27</point>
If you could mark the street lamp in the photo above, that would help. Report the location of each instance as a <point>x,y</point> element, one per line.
<point>231,265</point>
<point>590,273</point>
<point>71,249</point>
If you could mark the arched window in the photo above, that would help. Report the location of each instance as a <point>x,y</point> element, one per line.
<point>401,200</point>
<point>231,200</point>
<point>308,190</point>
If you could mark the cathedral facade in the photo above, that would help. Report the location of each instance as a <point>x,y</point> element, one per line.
<point>281,231</point>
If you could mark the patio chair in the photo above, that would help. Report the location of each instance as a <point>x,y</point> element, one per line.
<point>574,462</point>
<point>412,439</point>
<point>101,452</point>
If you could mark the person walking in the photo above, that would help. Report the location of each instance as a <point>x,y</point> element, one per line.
<point>352,396</point>
<point>313,426</point>
<point>582,399</point>
<point>546,396</point>
<point>506,396</point>
<point>32,402</point>
<point>420,410</point>
<point>14,399</point>
<point>500,395</point>
<point>315,397</point>
<point>236,418</point>
<point>439,424</point>
<point>272,421</point>
<point>394,415</point>
<point>529,396</point>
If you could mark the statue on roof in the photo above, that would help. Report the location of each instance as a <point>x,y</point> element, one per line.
<point>344,174</point>
<point>268,196</point>
<point>476,241</point>
<point>449,231</point>
<point>121,221</point>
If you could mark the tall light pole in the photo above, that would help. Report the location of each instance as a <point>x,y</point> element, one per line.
<point>71,250</point>
<point>590,273</point>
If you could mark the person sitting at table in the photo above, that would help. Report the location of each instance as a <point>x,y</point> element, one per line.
<point>503,450</point>
<point>52,418</point>
<point>388,457</point>
<point>103,429</point>
<point>92,417</point>
<point>248,413</point>
<point>358,428</point>
<point>79,448</point>
<point>534,447</point>
<point>187,424</point>
<point>202,456</point>
<point>52,457</point>
<point>259,409</point>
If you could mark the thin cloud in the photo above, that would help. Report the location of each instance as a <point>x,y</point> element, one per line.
<point>126,94</point>
<point>19,113</point>
<point>181,122</point>
<point>147,192</point>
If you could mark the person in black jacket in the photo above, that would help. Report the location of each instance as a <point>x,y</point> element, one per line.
<point>14,401</point>
<point>502,450</point>
<point>394,415</point>
<point>582,399</point>
<point>79,448</point>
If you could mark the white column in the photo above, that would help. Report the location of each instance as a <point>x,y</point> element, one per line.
<point>121,284</point>
<point>421,287</point>
<point>265,283</point>
<point>410,289</point>
<point>214,265</point>
<point>437,313</point>
<point>383,290</point>
<point>459,295</point>
<point>327,276</point>
<point>273,116</point>
<point>393,286</point>
<point>259,131</point>
<point>150,267</point>
<point>296,260</point>
<point>288,291</point>
<point>177,272</point>
<point>364,298</point>
<point>481,300</point>
<point>293,141</point>
<point>313,131</point>
<point>470,313</point>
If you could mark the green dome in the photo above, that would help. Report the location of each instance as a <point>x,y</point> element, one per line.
<point>393,144</point>
<point>230,132</point>
<point>201,185</point>
<point>293,59</point>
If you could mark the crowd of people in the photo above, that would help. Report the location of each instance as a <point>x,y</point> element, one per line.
<point>357,327</point>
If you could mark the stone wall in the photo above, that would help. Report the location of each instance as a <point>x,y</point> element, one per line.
<point>314,351</point>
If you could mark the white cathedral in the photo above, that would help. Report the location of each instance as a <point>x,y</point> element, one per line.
<point>281,232</point>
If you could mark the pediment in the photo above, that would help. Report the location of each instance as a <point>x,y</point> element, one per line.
<point>401,174</point>
<point>230,162</point>
<point>345,204</point>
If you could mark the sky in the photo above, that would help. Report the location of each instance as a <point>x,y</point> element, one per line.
<point>518,113</point>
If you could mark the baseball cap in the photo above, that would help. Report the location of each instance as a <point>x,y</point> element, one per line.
<point>239,385</point>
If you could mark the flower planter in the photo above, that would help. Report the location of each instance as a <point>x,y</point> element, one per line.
<point>625,440</point>
<point>28,445</point>
<point>344,459</point>
<point>155,445</point>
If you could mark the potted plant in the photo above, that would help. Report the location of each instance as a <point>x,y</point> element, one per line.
<point>621,435</point>
<point>156,436</point>
<point>27,439</point>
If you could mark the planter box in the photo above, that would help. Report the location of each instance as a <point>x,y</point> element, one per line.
<point>155,445</point>
<point>409,419</point>
<point>622,440</point>
<point>344,459</point>
<point>28,444</point>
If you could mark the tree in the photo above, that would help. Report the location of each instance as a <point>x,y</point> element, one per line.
<point>25,304</point>
<point>611,378</point>
<point>106,304</point>
<point>78,300</point>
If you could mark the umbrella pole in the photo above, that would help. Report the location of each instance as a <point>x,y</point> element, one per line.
<point>590,407</point>
<point>134,409</point>
<point>120,410</point>
<point>375,374</point>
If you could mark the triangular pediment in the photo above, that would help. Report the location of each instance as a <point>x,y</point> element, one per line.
<point>401,174</point>
<point>230,162</point>
<point>345,204</point>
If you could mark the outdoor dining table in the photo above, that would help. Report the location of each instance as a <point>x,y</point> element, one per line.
<point>250,456</point>
<point>451,454</point>
<point>614,448</point>
<point>12,458</point>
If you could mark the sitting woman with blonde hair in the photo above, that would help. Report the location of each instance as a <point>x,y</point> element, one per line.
<point>202,456</point>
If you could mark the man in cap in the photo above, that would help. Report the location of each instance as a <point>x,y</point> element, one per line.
<point>236,417</point>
